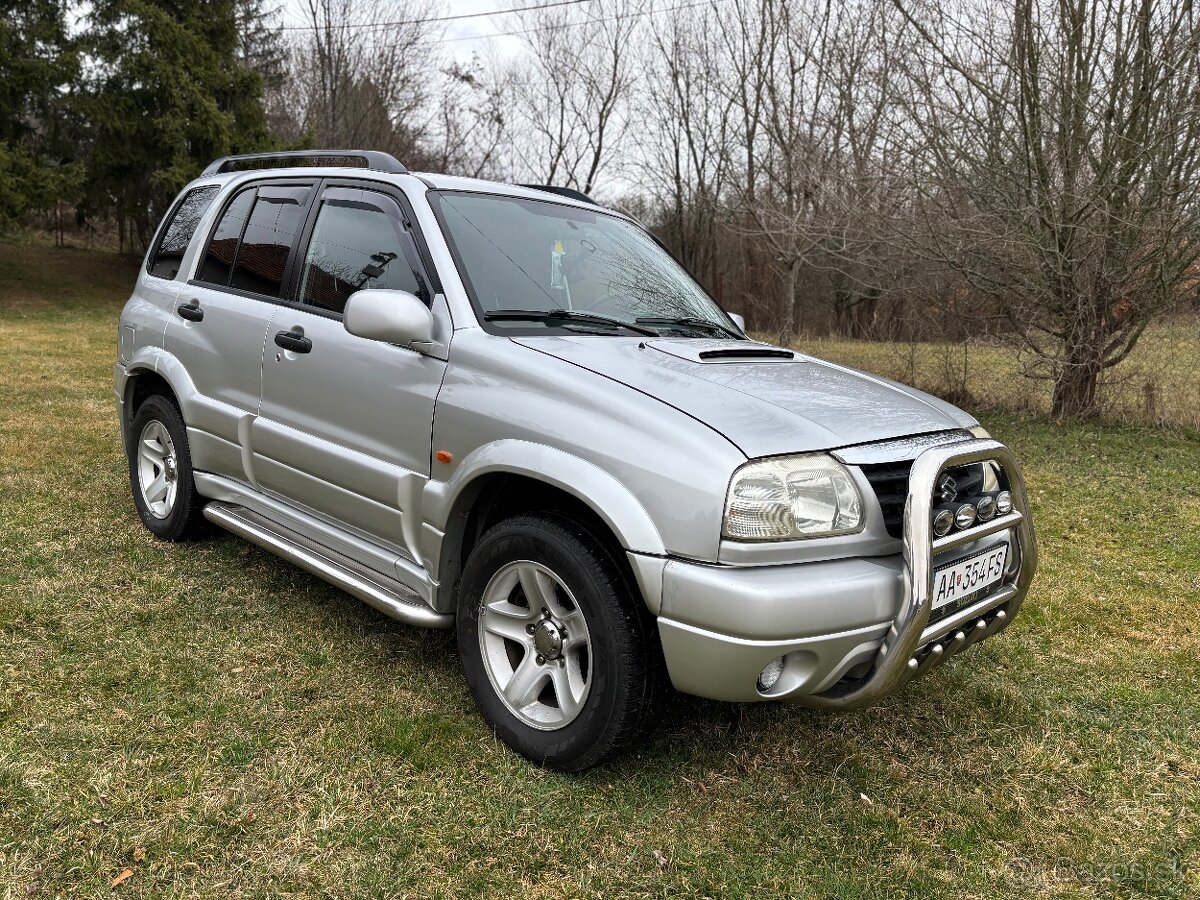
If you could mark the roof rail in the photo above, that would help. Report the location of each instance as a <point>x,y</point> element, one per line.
<point>363,159</point>
<point>561,191</point>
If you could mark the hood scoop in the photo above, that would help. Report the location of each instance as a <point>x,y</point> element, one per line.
<point>714,351</point>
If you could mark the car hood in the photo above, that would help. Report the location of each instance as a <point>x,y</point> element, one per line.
<point>764,404</point>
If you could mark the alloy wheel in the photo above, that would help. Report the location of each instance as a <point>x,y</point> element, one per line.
<point>157,469</point>
<point>535,645</point>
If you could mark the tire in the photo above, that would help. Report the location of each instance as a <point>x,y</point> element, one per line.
<point>593,694</point>
<point>160,471</point>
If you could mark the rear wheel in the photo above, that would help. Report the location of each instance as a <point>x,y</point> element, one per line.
<point>555,645</point>
<point>160,471</point>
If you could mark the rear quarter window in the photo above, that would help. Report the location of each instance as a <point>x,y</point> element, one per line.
<point>180,227</point>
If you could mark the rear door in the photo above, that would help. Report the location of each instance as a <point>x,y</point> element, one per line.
<point>222,314</point>
<point>345,424</point>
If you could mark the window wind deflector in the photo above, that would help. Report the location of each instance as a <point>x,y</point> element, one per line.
<point>747,353</point>
<point>563,315</point>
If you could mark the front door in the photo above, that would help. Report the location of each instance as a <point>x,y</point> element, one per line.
<point>345,423</point>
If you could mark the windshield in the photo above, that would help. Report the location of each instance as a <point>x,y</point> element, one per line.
<point>532,256</point>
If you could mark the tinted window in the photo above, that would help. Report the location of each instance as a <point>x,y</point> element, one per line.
<point>222,249</point>
<point>169,254</point>
<point>261,261</point>
<point>357,244</point>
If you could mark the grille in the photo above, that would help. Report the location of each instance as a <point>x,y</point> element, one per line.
<point>890,483</point>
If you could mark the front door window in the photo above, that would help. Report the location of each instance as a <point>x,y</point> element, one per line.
<point>358,243</point>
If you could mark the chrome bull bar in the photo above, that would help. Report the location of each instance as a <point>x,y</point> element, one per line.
<point>898,659</point>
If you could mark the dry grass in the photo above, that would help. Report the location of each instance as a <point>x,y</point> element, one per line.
<point>223,725</point>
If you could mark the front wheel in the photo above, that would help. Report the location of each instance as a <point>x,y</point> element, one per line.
<point>555,645</point>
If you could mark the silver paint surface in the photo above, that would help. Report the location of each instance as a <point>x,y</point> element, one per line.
<point>766,407</point>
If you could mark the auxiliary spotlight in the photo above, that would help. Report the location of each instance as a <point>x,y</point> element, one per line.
<point>943,522</point>
<point>965,516</point>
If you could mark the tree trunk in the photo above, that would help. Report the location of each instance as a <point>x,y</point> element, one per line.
<point>1077,381</point>
<point>787,328</point>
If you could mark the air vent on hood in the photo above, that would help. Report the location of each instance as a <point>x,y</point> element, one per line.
<point>747,353</point>
<point>703,350</point>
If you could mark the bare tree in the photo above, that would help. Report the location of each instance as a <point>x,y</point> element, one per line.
<point>1055,155</point>
<point>571,90</point>
<point>788,147</point>
<point>470,120</point>
<point>860,195</point>
<point>684,111</point>
<point>360,73</point>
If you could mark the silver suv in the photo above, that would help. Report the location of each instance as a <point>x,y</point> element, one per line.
<point>509,411</point>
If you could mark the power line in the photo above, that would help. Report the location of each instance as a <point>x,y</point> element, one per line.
<point>435,19</point>
<point>496,34</point>
<point>560,25</point>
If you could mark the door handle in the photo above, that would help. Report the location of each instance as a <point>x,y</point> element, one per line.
<point>191,311</point>
<point>289,340</point>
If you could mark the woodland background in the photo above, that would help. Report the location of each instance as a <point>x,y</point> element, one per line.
<point>997,201</point>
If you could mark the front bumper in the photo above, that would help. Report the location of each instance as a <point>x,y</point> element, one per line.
<point>850,631</point>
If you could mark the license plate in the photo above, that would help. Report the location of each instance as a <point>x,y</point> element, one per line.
<point>968,577</point>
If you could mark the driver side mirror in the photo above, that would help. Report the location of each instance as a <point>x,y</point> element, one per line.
<point>739,321</point>
<point>396,317</point>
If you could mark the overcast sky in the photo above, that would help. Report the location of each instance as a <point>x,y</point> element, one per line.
<point>463,37</point>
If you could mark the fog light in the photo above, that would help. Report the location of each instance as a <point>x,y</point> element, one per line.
<point>769,676</point>
<point>943,522</point>
<point>1004,503</point>
<point>985,509</point>
<point>964,517</point>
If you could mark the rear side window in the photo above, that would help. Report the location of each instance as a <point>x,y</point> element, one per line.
<point>168,255</point>
<point>222,249</point>
<point>250,247</point>
<point>277,216</point>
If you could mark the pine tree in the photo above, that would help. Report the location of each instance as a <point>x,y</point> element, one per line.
<point>167,92</point>
<point>37,63</point>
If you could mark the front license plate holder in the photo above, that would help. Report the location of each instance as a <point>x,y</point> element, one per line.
<point>968,579</point>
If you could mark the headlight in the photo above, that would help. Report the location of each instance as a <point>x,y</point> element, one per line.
<point>979,431</point>
<point>792,497</point>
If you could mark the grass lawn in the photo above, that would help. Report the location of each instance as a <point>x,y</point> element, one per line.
<point>221,724</point>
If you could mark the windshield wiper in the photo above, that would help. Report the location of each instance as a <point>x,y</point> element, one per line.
<point>563,315</point>
<point>692,321</point>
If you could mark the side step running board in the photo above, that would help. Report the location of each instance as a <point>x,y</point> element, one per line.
<point>389,597</point>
